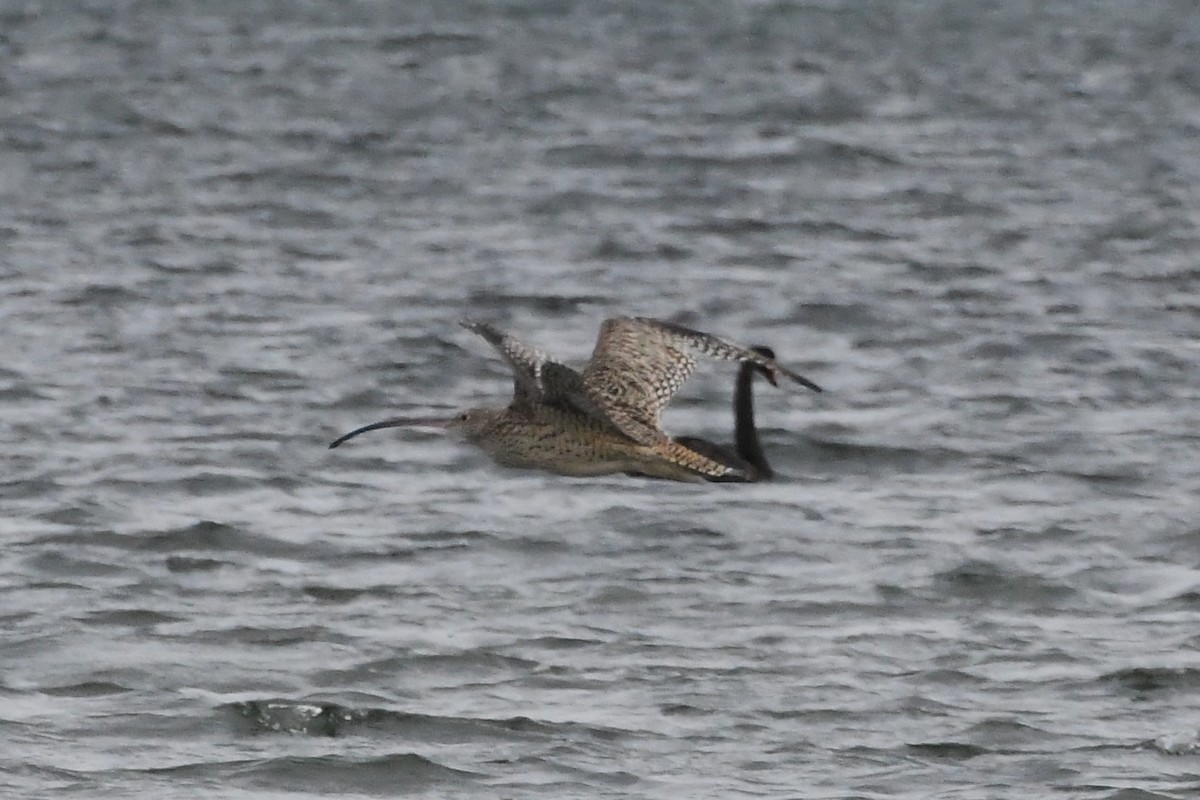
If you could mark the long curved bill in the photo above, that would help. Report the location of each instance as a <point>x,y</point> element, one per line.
<point>395,422</point>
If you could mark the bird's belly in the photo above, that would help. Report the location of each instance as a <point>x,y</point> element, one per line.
<point>598,464</point>
<point>565,443</point>
<point>566,455</point>
<point>568,444</point>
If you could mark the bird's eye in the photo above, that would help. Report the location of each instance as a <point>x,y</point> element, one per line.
<point>463,416</point>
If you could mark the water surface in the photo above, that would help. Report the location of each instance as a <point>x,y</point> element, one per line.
<point>229,233</point>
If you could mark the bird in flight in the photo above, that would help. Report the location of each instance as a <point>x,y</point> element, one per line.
<point>606,418</point>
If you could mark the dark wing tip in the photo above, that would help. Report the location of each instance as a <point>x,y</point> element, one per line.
<point>490,333</point>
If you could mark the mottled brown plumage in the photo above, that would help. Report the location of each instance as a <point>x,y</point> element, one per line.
<point>639,364</point>
<point>569,443</point>
<point>605,419</point>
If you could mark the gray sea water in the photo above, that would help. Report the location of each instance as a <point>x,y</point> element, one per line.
<point>231,231</point>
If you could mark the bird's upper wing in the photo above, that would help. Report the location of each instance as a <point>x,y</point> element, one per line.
<point>537,379</point>
<point>639,364</point>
